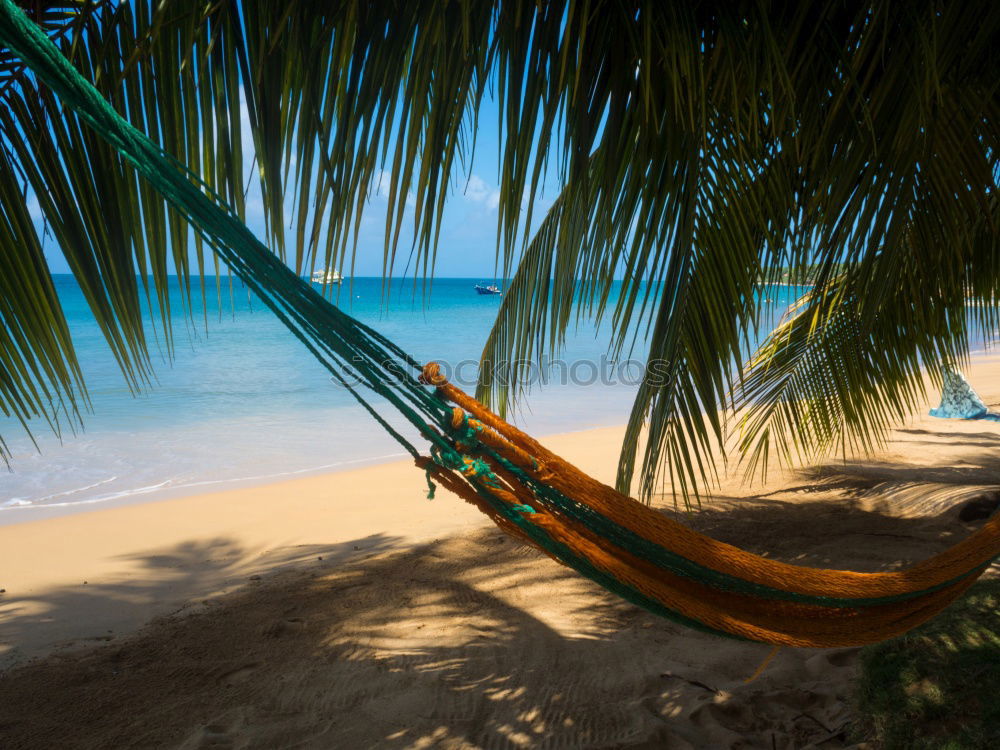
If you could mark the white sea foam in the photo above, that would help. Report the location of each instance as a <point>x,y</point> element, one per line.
<point>173,485</point>
<point>74,491</point>
<point>90,500</point>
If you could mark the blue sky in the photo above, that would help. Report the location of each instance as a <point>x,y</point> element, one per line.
<point>468,235</point>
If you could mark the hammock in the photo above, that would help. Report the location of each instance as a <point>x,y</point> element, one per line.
<point>529,492</point>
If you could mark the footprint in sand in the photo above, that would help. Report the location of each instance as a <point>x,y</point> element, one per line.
<point>221,734</point>
<point>214,736</point>
<point>238,675</point>
<point>281,628</point>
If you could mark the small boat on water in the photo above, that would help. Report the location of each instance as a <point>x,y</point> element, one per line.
<point>483,289</point>
<point>327,277</point>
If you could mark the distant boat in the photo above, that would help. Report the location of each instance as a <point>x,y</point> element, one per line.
<point>327,277</point>
<point>483,289</point>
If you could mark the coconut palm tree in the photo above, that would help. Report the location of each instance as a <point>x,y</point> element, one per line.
<point>704,150</point>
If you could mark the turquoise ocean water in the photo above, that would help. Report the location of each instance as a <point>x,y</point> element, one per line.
<point>245,402</point>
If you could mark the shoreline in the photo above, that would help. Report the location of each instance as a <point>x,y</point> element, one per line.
<point>17,514</point>
<point>161,493</point>
<point>15,511</point>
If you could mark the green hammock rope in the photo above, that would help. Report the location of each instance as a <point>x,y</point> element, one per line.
<point>339,341</point>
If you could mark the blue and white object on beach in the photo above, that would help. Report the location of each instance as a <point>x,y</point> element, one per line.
<point>959,401</point>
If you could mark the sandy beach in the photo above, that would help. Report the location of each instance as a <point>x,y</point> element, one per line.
<point>348,611</point>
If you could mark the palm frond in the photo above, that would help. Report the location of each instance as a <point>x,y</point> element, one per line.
<point>39,378</point>
<point>60,20</point>
<point>851,358</point>
<point>116,234</point>
<point>824,135</point>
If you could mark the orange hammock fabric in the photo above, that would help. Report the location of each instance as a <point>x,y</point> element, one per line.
<point>924,589</point>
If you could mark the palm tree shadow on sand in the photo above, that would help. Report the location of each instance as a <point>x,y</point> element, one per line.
<point>465,642</point>
<point>174,580</point>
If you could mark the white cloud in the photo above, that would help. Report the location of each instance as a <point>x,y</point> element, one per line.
<point>478,190</point>
<point>382,183</point>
